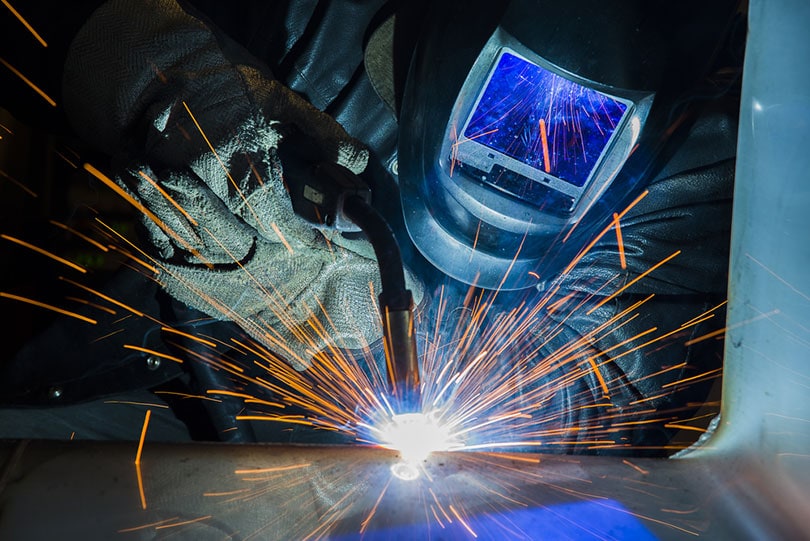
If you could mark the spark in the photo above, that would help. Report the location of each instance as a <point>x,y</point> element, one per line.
<point>258,220</point>
<point>47,306</point>
<point>133,403</point>
<point>367,520</point>
<point>475,240</point>
<point>639,469</point>
<point>19,184</point>
<point>80,235</point>
<point>584,251</point>
<point>105,297</point>
<point>721,332</point>
<point>188,395</point>
<point>25,23</point>
<point>271,470</point>
<point>147,526</point>
<point>544,138</point>
<point>143,436</point>
<point>145,211</point>
<point>183,523</point>
<point>633,281</point>
<point>200,340</point>
<point>619,240</point>
<point>154,353</point>
<point>685,427</point>
<point>778,278</point>
<point>168,198</point>
<point>462,521</point>
<point>43,252</point>
<point>141,491</point>
<point>27,81</point>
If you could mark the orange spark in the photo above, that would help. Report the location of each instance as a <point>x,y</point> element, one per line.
<point>684,427</point>
<point>273,469</point>
<point>226,493</point>
<point>639,469</point>
<point>146,526</point>
<point>633,281</point>
<point>188,395</point>
<point>82,236</point>
<point>596,239</point>
<point>364,524</point>
<point>715,372</point>
<point>281,237</point>
<point>18,184</point>
<point>141,491</point>
<point>103,296</point>
<point>224,168</point>
<point>183,523</point>
<point>168,198</point>
<point>189,336</point>
<point>475,240</point>
<point>704,316</point>
<point>25,23</point>
<point>462,521</point>
<point>619,240</point>
<point>143,436</point>
<point>47,306</point>
<point>145,211</point>
<point>544,139</point>
<point>153,352</point>
<point>600,378</point>
<point>133,403</point>
<point>27,81</point>
<point>44,252</point>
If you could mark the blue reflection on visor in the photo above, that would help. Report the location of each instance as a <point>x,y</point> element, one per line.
<point>544,120</point>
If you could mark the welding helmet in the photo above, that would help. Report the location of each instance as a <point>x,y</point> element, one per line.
<point>525,125</point>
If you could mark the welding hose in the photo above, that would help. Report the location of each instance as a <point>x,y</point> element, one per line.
<point>396,303</point>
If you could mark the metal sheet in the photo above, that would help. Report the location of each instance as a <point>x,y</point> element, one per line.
<point>89,491</point>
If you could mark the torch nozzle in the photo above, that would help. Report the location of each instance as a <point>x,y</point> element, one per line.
<point>401,359</point>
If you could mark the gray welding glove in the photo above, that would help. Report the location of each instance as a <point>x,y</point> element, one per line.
<point>196,129</point>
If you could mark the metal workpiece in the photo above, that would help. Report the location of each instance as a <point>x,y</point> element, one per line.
<point>95,491</point>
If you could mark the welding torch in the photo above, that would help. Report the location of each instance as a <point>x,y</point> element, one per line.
<point>328,194</point>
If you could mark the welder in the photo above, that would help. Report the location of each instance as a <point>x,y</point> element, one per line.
<point>457,120</point>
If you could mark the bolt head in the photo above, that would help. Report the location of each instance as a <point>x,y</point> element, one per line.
<point>153,362</point>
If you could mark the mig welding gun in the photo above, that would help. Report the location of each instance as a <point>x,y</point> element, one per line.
<point>329,195</point>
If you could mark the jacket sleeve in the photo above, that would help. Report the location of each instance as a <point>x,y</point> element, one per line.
<point>194,124</point>
<point>640,346</point>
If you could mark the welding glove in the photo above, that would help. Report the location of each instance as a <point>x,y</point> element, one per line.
<point>196,129</point>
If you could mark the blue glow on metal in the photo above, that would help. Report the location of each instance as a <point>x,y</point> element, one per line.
<point>579,521</point>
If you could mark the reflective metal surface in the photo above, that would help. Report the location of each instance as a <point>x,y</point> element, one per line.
<point>74,490</point>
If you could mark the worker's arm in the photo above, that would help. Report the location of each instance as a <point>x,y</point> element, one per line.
<point>641,324</point>
<point>196,125</point>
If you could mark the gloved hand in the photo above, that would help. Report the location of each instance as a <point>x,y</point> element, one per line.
<point>197,131</point>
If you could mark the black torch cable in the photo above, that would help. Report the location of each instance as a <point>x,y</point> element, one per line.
<point>396,302</point>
